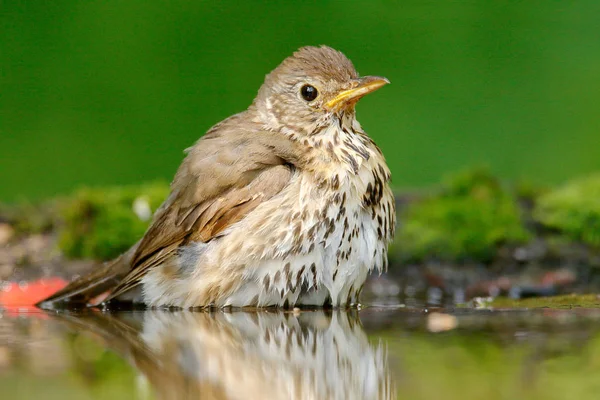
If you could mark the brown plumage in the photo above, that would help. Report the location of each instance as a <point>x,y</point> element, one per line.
<point>261,207</point>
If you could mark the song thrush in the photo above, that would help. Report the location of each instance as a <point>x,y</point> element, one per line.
<point>287,203</point>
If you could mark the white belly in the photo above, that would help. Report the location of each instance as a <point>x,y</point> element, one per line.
<point>339,249</point>
<point>331,273</point>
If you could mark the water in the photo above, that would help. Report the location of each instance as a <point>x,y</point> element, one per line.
<point>377,353</point>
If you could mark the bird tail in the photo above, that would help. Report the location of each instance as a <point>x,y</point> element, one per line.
<point>85,289</point>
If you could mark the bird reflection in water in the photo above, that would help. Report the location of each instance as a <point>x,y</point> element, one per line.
<point>248,355</point>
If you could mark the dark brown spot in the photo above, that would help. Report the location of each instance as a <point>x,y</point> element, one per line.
<point>317,214</point>
<point>330,148</point>
<point>362,152</point>
<point>350,160</point>
<point>359,291</point>
<point>327,301</point>
<point>382,170</point>
<point>350,293</point>
<point>254,301</point>
<point>276,278</point>
<point>311,232</point>
<point>330,228</point>
<point>299,275</point>
<point>335,182</point>
<point>297,229</point>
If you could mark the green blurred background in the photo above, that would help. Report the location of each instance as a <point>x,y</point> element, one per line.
<point>111,92</point>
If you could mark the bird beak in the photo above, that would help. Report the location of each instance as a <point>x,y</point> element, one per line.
<point>361,87</point>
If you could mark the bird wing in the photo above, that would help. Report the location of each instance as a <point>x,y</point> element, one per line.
<point>225,176</point>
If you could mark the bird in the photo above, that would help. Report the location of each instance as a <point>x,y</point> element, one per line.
<point>286,204</point>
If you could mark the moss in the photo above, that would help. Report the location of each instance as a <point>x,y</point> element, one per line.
<point>529,191</point>
<point>102,223</point>
<point>573,210</point>
<point>470,218</point>
<point>29,218</point>
<point>564,301</point>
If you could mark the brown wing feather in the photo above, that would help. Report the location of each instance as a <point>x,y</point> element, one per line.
<point>164,238</point>
<point>217,185</point>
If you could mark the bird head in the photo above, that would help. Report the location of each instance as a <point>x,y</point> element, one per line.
<point>310,88</point>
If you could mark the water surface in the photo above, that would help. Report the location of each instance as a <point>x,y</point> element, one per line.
<point>377,353</point>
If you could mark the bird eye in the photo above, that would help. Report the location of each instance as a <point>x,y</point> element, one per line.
<point>309,92</point>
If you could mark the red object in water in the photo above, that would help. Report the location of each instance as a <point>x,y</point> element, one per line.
<point>16,294</point>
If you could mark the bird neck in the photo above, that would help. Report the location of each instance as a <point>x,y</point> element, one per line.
<point>340,149</point>
<point>333,148</point>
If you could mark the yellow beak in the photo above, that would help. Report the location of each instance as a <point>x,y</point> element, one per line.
<point>362,86</point>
